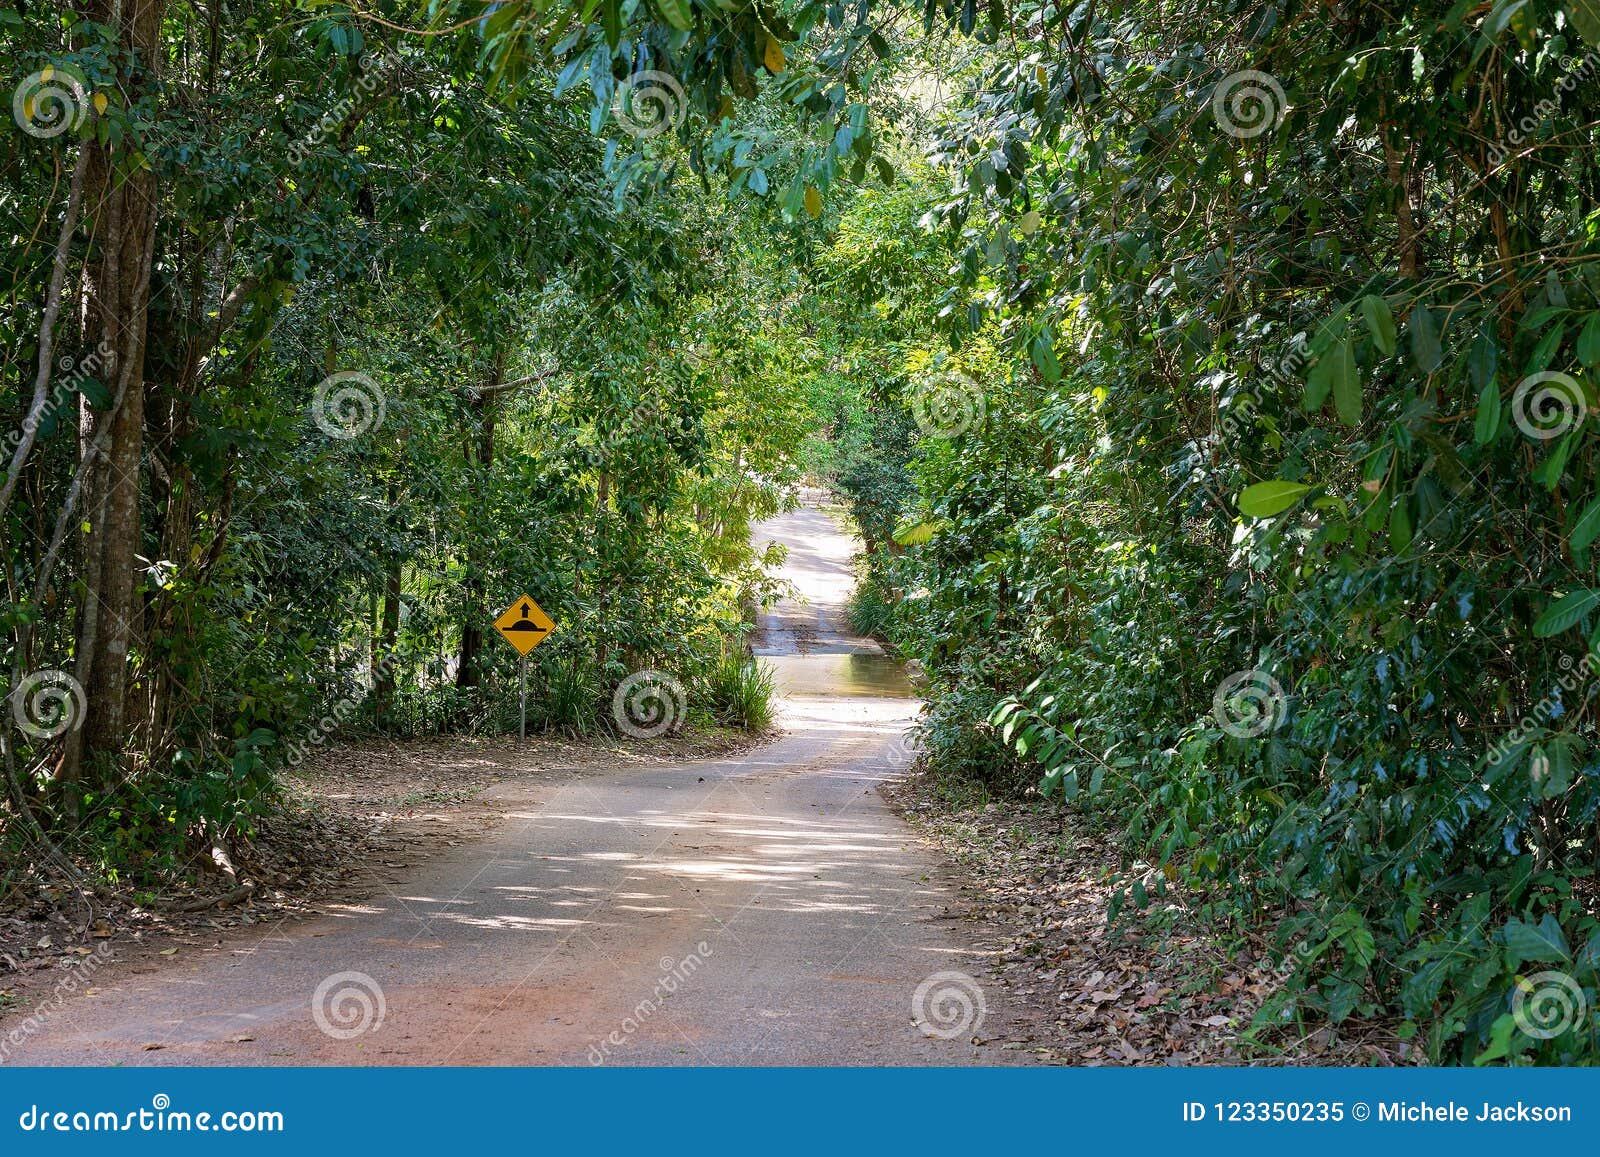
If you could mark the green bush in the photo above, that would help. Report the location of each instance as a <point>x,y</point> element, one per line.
<point>570,695</point>
<point>740,692</point>
<point>1264,554</point>
<point>870,610</point>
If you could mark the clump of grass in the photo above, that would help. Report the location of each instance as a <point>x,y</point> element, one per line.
<point>740,692</point>
<point>571,695</point>
<point>869,611</point>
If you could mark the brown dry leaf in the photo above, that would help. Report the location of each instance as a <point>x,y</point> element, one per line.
<point>1132,992</point>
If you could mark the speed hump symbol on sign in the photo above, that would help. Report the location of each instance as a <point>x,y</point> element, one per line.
<point>524,624</point>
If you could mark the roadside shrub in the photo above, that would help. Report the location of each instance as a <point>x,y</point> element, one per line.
<point>1275,553</point>
<point>740,692</point>
<point>870,610</point>
<point>569,699</point>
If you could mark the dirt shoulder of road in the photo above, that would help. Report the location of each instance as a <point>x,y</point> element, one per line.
<point>350,820</point>
<point>1151,989</point>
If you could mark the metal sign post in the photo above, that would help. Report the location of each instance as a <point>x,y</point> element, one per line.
<point>522,687</point>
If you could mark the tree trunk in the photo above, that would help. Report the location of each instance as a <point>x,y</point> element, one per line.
<point>468,661</point>
<point>388,635</point>
<point>389,628</point>
<point>117,285</point>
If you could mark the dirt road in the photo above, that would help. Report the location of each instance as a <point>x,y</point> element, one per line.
<point>764,909</point>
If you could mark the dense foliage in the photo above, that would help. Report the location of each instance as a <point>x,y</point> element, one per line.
<point>1211,384</point>
<point>319,357</point>
<point>1273,545</point>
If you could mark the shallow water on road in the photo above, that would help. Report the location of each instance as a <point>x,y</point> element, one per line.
<point>807,640</point>
<point>851,675</point>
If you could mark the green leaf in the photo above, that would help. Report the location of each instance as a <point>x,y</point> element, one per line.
<point>1319,383</point>
<point>1585,17</point>
<point>1589,958</point>
<point>1586,527</point>
<point>95,392</point>
<point>676,13</point>
<point>1490,415</point>
<point>1500,16</point>
<point>1589,341</point>
<point>1400,524</point>
<point>1044,356</point>
<point>919,533</point>
<point>1426,351</point>
<point>1551,767</point>
<point>1030,735</point>
<point>1500,1034</point>
<point>1359,945</point>
<point>1343,999</point>
<point>1545,352</point>
<point>1380,323</point>
<point>1265,499</point>
<point>1553,468</point>
<point>1347,383</point>
<point>1482,358</point>
<point>1566,612</point>
<point>1543,941</point>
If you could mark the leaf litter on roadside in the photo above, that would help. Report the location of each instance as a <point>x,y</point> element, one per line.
<point>1151,989</point>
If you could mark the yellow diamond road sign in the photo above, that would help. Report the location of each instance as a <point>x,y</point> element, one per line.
<point>524,624</point>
